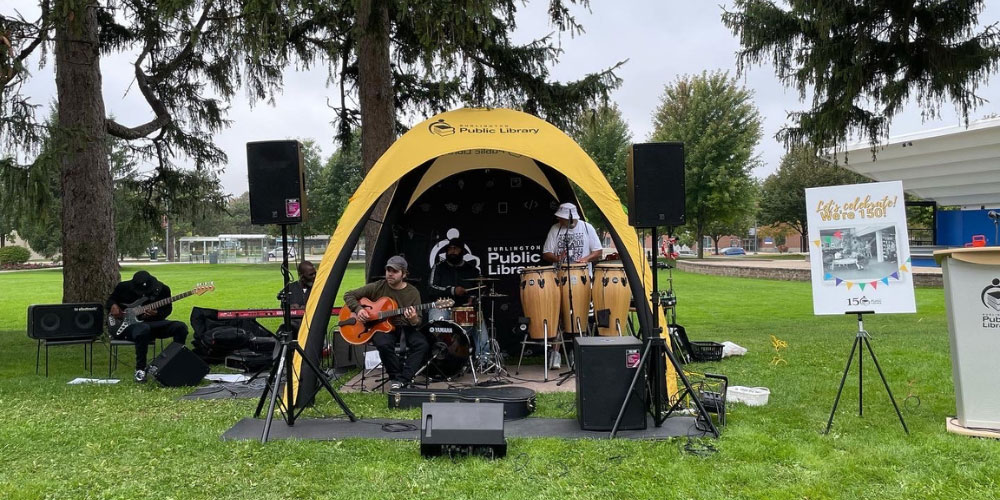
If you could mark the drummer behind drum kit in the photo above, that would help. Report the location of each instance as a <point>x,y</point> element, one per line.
<point>545,297</point>
<point>454,332</point>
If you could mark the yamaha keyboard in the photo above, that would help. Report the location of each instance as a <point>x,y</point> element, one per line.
<point>264,313</point>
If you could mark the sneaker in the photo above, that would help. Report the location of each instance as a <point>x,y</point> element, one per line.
<point>556,360</point>
<point>140,376</point>
<point>396,385</point>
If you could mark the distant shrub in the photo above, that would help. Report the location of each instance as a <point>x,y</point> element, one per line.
<point>14,255</point>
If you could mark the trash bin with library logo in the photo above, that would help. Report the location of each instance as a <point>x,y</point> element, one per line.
<point>972,299</point>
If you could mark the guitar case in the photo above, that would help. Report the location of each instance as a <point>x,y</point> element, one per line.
<point>518,402</point>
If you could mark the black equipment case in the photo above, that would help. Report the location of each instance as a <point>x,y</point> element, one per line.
<point>518,402</point>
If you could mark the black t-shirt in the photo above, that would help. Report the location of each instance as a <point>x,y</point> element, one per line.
<point>296,294</point>
<point>126,293</point>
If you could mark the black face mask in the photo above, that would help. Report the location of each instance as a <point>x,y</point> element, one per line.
<point>454,258</point>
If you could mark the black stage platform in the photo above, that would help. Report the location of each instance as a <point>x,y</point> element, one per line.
<point>327,429</point>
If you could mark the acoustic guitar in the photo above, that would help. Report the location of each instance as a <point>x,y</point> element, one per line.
<point>358,332</point>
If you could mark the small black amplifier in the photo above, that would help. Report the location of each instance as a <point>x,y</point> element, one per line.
<point>177,366</point>
<point>604,369</point>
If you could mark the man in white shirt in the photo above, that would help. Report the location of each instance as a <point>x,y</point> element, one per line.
<point>574,237</point>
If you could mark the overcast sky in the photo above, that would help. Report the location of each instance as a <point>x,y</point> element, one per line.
<point>661,40</point>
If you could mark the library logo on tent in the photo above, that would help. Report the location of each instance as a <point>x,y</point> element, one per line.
<point>441,128</point>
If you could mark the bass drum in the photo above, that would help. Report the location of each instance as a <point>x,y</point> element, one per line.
<point>452,346</point>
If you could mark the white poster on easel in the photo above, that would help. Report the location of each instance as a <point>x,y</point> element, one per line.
<point>858,249</point>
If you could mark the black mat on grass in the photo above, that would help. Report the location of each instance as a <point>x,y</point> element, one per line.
<point>326,429</point>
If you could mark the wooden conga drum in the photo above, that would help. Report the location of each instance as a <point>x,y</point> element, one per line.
<point>611,291</point>
<point>577,278</point>
<point>540,300</point>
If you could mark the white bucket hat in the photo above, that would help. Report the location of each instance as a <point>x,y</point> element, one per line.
<point>567,211</point>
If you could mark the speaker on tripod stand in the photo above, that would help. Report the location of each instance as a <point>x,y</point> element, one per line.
<point>277,196</point>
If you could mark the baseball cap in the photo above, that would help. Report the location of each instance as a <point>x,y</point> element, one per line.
<point>396,262</point>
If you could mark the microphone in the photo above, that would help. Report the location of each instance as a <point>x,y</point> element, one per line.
<point>993,214</point>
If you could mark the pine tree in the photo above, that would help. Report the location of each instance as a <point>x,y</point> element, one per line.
<point>863,60</point>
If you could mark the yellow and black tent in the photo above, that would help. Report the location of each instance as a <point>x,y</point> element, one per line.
<point>490,176</point>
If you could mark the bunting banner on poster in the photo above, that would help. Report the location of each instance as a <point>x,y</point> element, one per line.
<point>858,249</point>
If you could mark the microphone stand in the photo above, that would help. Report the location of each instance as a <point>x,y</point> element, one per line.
<point>572,313</point>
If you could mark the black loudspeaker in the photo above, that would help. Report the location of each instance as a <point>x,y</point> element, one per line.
<point>462,429</point>
<point>655,180</point>
<point>277,182</point>
<point>177,366</point>
<point>65,321</point>
<point>604,369</point>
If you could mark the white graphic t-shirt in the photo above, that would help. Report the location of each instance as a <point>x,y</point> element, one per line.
<point>581,239</point>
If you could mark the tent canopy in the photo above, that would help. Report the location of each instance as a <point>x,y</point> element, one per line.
<point>454,142</point>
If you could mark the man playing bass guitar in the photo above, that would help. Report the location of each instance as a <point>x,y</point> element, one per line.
<point>154,323</point>
<point>407,298</point>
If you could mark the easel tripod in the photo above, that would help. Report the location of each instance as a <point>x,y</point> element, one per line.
<point>862,336</point>
<point>283,371</point>
<point>653,363</point>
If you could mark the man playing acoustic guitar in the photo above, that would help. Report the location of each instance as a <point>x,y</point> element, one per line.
<point>407,298</point>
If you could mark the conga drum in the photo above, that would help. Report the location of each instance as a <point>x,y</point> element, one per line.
<point>575,278</point>
<point>540,300</point>
<point>611,292</point>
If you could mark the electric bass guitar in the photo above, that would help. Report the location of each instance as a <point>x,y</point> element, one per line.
<point>116,326</point>
<point>358,332</point>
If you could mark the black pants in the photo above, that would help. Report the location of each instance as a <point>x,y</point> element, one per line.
<point>144,333</point>
<point>415,342</point>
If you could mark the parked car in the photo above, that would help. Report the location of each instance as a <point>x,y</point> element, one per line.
<point>731,251</point>
<point>276,252</point>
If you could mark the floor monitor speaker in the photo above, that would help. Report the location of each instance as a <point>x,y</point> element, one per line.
<point>65,321</point>
<point>177,366</point>
<point>462,429</point>
<point>276,181</point>
<point>604,369</point>
<point>655,182</point>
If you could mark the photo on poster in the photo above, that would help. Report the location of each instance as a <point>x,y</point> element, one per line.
<point>862,253</point>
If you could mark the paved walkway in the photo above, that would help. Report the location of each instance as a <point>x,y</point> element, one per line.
<point>781,269</point>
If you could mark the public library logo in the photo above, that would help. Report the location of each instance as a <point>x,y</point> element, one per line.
<point>990,297</point>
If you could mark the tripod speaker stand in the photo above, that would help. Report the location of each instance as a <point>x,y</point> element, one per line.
<point>862,336</point>
<point>653,360</point>
<point>283,371</point>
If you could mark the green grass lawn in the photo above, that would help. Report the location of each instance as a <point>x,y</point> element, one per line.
<point>140,441</point>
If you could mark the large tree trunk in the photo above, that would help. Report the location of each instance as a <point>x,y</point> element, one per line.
<point>378,119</point>
<point>88,234</point>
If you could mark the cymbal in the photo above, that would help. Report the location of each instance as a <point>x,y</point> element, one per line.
<point>495,295</point>
<point>482,278</point>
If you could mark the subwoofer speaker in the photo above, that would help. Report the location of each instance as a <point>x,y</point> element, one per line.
<point>462,429</point>
<point>604,369</point>
<point>65,321</point>
<point>655,181</point>
<point>277,182</point>
<point>177,366</point>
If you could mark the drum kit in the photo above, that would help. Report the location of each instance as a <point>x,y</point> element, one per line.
<point>555,299</point>
<point>466,337</point>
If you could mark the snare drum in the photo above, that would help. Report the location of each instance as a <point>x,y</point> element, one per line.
<point>611,292</point>
<point>540,300</point>
<point>465,316</point>
<point>575,277</point>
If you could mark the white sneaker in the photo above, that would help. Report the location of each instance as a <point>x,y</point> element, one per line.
<point>556,362</point>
